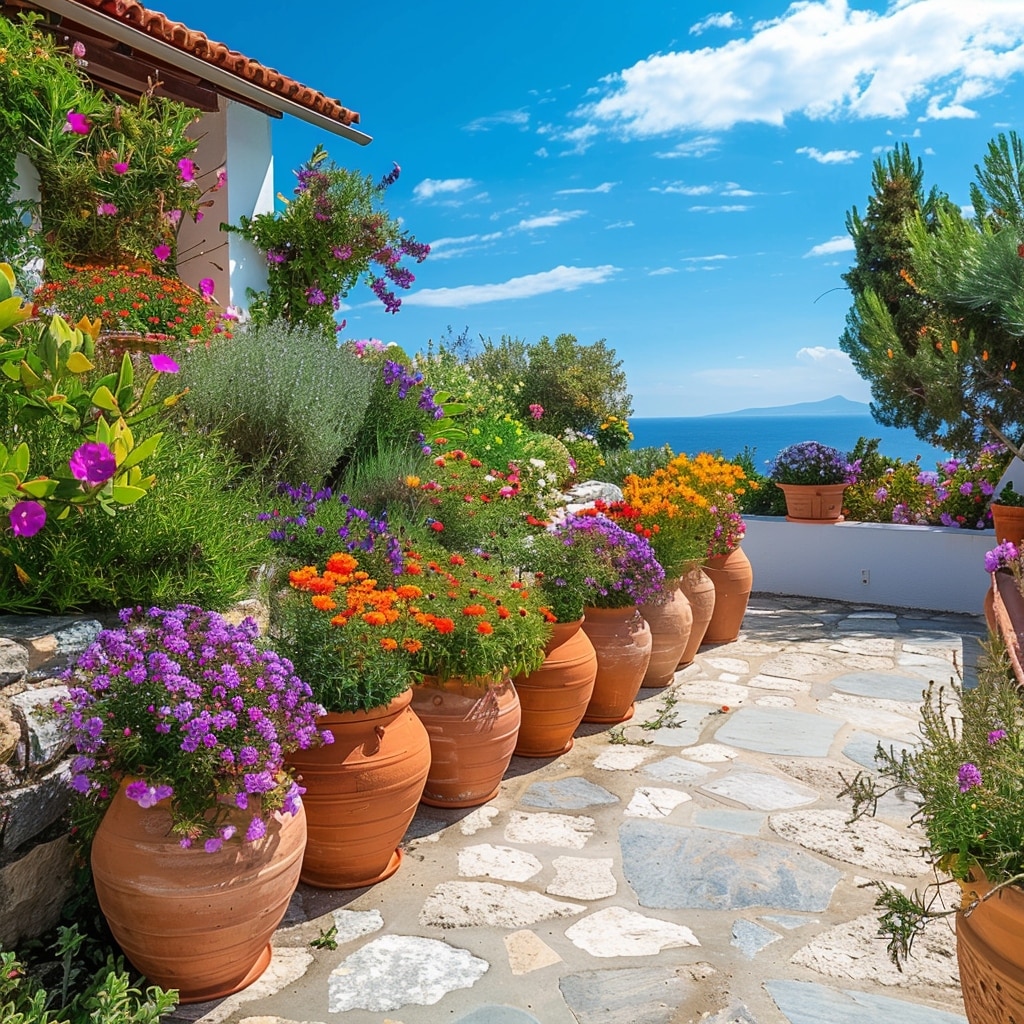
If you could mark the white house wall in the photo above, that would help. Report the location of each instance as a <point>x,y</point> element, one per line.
<point>928,567</point>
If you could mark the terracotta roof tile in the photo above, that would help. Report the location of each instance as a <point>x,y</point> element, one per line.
<point>180,36</point>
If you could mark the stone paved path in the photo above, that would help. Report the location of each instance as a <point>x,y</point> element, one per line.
<point>694,865</point>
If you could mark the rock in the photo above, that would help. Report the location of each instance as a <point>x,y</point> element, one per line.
<point>35,807</point>
<point>620,932</point>
<point>466,904</point>
<point>32,891</point>
<point>13,661</point>
<point>10,733</point>
<point>46,737</point>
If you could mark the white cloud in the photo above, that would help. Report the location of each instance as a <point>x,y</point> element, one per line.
<point>605,186</point>
<point>726,20</point>
<point>621,224</point>
<point>560,279</point>
<point>833,156</point>
<point>817,354</point>
<point>548,220</point>
<point>697,147</point>
<point>837,243</point>
<point>824,59</point>
<point>735,190</point>
<point>734,208</point>
<point>449,248</point>
<point>542,152</point>
<point>517,118</point>
<point>706,259</point>
<point>430,187</point>
<point>661,271</point>
<point>679,189</point>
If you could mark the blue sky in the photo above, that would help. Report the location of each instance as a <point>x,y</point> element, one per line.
<point>671,177</point>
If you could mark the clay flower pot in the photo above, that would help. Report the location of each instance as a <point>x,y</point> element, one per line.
<point>733,578</point>
<point>554,698</point>
<point>187,919</point>
<point>473,727</point>
<point>622,640</point>
<point>989,952</point>
<point>813,503</point>
<point>1008,523</point>
<point>362,792</point>
<point>700,592</point>
<point>671,620</point>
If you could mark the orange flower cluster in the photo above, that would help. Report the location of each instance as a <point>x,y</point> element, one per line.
<point>709,475</point>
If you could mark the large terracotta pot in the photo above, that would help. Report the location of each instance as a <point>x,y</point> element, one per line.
<point>622,640</point>
<point>473,728</point>
<point>671,619</point>
<point>554,698</point>
<point>1008,614</point>
<point>1008,523</point>
<point>733,578</point>
<point>700,592</point>
<point>187,919</point>
<point>814,503</point>
<point>362,792</point>
<point>990,953</point>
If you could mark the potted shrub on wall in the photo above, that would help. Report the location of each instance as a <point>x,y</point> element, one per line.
<point>968,775</point>
<point>181,725</point>
<point>1008,516</point>
<point>813,476</point>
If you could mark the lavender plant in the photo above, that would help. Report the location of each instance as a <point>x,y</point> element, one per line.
<point>183,706</point>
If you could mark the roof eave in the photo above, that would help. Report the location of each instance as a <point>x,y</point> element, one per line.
<point>200,68</point>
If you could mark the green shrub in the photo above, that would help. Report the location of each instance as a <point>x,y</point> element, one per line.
<point>187,542</point>
<point>285,399</point>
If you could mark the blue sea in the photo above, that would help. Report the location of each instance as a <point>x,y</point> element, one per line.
<point>768,435</point>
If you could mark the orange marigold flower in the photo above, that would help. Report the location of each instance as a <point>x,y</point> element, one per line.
<point>375,618</point>
<point>484,628</point>
<point>474,609</point>
<point>389,643</point>
<point>442,625</point>
<point>339,620</point>
<point>457,560</point>
<point>411,645</point>
<point>408,592</point>
<point>413,569</point>
<point>341,562</point>
<point>323,603</point>
<point>503,612</point>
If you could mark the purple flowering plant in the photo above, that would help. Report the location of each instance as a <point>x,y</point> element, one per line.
<point>330,235</point>
<point>966,776</point>
<point>811,462</point>
<point>180,705</point>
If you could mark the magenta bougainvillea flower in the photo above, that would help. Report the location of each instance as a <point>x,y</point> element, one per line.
<point>27,518</point>
<point>93,463</point>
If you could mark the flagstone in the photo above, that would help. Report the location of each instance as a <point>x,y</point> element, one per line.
<point>750,938</point>
<point>570,794</point>
<point>759,791</point>
<point>709,691</point>
<point>617,931</point>
<point>472,904</point>
<point>783,684</point>
<point>798,664</point>
<point>583,878</point>
<point>675,769</point>
<point>527,952</point>
<point>651,802</point>
<point>728,819</point>
<point>621,759</point>
<point>806,1002</point>
<point>709,753</point>
<point>880,684</point>
<point>550,829</point>
<point>640,995</point>
<point>503,862</point>
<point>779,731</point>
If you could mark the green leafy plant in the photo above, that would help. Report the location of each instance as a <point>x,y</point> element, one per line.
<point>966,776</point>
<point>284,397</point>
<point>324,241</point>
<point>116,178</point>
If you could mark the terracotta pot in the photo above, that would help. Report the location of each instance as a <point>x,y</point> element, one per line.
<point>990,953</point>
<point>1008,612</point>
<point>554,698</point>
<point>1008,523</point>
<point>700,592</point>
<point>622,640</point>
<point>187,919</point>
<point>362,792</point>
<point>671,620</point>
<point>733,578</point>
<point>814,503</point>
<point>473,728</point>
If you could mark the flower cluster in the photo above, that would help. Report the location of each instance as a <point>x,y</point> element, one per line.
<point>480,623</point>
<point>135,301</point>
<point>187,707</point>
<point>613,434</point>
<point>624,571</point>
<point>351,636</point>
<point>728,530</point>
<point>325,240</point>
<point>811,462</point>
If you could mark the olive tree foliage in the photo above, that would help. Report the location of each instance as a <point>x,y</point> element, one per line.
<point>576,385</point>
<point>938,312</point>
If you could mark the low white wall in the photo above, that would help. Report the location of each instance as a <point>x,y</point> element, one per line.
<point>929,567</point>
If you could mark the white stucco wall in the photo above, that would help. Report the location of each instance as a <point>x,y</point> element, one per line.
<point>928,567</point>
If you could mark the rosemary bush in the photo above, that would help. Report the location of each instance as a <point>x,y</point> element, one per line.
<point>285,398</point>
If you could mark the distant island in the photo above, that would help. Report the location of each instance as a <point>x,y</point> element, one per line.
<point>834,406</point>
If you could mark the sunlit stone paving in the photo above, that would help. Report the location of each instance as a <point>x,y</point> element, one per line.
<point>700,868</point>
